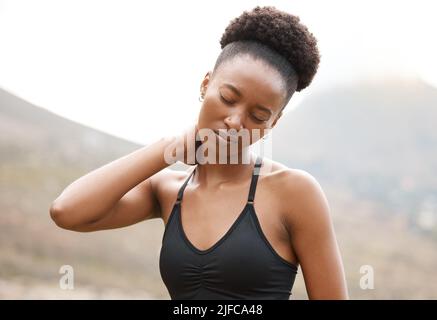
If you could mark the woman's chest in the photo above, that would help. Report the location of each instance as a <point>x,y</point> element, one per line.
<point>208,215</point>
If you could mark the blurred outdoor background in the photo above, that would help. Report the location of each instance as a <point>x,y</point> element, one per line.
<point>83,83</point>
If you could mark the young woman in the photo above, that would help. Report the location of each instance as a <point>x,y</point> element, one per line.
<point>233,230</point>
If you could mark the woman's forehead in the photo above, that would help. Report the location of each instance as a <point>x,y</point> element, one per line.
<point>252,76</point>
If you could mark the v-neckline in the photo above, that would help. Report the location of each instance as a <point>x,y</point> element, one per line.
<point>220,240</point>
<point>248,205</point>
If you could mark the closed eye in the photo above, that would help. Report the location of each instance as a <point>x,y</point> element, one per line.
<point>225,101</point>
<point>252,116</point>
<point>258,120</point>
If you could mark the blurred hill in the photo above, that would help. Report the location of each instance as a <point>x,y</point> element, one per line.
<point>41,153</point>
<point>371,146</point>
<point>375,140</point>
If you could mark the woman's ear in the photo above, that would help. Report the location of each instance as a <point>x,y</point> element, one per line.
<point>205,82</point>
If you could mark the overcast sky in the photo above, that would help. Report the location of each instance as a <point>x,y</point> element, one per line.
<point>133,68</point>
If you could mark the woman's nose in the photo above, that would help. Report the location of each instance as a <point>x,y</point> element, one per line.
<point>234,121</point>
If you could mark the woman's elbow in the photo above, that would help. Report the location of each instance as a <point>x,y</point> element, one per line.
<point>59,214</point>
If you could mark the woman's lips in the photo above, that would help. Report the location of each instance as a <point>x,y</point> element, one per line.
<point>227,136</point>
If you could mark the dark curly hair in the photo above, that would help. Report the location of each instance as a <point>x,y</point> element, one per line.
<point>277,38</point>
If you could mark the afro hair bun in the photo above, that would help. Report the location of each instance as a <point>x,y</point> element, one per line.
<point>281,32</point>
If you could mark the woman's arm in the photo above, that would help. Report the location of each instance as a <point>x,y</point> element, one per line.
<point>95,195</point>
<point>313,238</point>
<point>119,193</point>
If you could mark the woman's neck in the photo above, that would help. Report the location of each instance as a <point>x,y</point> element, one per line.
<point>215,175</point>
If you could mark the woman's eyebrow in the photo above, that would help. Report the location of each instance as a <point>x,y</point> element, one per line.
<point>230,86</point>
<point>238,93</point>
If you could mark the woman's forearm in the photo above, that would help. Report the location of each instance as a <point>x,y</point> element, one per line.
<point>93,195</point>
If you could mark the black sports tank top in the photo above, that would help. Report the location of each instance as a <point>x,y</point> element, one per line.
<point>241,265</point>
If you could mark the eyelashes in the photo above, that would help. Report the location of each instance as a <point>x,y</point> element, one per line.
<point>225,101</point>
<point>229,103</point>
<point>258,120</point>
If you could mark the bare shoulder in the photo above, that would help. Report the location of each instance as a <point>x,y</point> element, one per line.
<point>285,178</point>
<point>298,191</point>
<point>165,185</point>
<point>168,176</point>
<point>306,215</point>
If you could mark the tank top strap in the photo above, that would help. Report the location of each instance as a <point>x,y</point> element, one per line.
<point>254,180</point>
<point>182,188</point>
